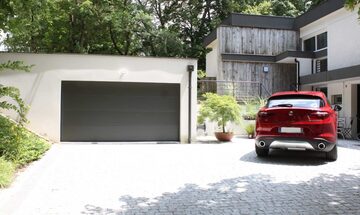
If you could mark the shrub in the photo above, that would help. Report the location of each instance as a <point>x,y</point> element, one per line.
<point>220,109</point>
<point>250,108</point>
<point>250,129</point>
<point>7,170</point>
<point>10,96</point>
<point>18,144</point>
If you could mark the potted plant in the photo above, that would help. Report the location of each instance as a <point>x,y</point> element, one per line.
<point>250,129</point>
<point>249,110</point>
<point>220,109</point>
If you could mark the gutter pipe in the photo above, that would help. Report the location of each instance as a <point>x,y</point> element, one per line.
<point>297,74</point>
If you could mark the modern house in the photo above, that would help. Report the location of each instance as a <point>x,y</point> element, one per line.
<point>319,50</point>
<point>97,98</point>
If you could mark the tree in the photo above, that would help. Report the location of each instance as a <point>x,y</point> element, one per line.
<point>12,92</point>
<point>126,27</point>
<point>220,109</point>
<point>352,4</point>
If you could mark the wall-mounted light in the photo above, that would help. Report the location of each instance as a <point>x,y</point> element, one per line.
<point>266,69</point>
<point>190,68</point>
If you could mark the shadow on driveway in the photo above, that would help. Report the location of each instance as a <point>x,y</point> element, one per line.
<point>257,194</point>
<point>284,157</point>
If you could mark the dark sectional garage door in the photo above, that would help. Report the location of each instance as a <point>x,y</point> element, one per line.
<point>117,111</point>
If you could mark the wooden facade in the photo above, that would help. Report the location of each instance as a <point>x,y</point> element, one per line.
<point>257,42</point>
<point>281,77</point>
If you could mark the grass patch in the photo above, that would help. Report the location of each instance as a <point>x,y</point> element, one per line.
<point>18,146</point>
<point>7,171</point>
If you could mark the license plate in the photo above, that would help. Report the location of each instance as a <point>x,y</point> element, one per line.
<point>291,130</point>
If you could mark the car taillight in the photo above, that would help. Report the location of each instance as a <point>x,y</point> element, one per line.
<point>320,115</point>
<point>263,114</point>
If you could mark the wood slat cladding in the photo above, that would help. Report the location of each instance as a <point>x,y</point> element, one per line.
<point>257,41</point>
<point>281,77</point>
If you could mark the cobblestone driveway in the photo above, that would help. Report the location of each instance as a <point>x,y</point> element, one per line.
<point>185,179</point>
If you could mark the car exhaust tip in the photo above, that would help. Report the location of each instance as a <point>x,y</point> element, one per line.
<point>321,146</point>
<point>262,144</point>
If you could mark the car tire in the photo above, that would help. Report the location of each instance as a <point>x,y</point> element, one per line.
<point>332,155</point>
<point>261,152</point>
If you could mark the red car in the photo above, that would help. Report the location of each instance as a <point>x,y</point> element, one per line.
<point>297,121</point>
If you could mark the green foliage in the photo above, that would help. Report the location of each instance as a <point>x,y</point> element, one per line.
<point>7,171</point>
<point>220,109</point>
<point>249,128</point>
<point>263,8</point>
<point>18,145</point>
<point>15,65</point>
<point>13,93</point>
<point>351,5</point>
<point>20,107</point>
<point>201,74</point>
<point>250,108</point>
<point>143,27</point>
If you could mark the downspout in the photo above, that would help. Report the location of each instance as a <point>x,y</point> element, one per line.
<point>297,74</point>
<point>190,69</point>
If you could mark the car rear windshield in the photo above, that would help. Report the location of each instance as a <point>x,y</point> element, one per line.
<point>302,101</point>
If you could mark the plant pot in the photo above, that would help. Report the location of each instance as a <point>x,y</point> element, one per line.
<point>251,136</point>
<point>224,137</point>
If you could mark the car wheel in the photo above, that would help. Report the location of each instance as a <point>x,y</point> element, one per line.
<point>332,155</point>
<point>261,152</point>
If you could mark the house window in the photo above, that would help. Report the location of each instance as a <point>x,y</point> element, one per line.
<point>322,65</point>
<point>322,89</point>
<point>321,41</point>
<point>316,43</point>
<point>309,44</point>
<point>336,99</point>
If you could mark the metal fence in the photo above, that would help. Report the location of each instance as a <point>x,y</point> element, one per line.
<point>241,90</point>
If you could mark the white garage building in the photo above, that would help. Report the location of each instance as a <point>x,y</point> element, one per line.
<point>95,98</point>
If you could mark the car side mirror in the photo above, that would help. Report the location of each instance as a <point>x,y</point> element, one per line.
<point>337,108</point>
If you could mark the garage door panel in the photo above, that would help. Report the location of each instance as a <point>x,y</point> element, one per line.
<point>111,103</point>
<point>119,118</point>
<point>129,133</point>
<point>107,111</point>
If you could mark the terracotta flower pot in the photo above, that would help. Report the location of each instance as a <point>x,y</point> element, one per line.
<point>224,137</point>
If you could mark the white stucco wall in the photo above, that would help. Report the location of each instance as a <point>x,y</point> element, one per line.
<point>305,66</point>
<point>343,27</point>
<point>344,43</point>
<point>212,60</point>
<point>348,90</point>
<point>336,88</point>
<point>41,88</point>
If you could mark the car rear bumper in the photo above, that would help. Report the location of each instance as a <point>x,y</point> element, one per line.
<point>294,143</point>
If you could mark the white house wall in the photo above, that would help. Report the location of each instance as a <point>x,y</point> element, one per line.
<point>212,60</point>
<point>343,27</point>
<point>305,66</point>
<point>41,88</point>
<point>344,43</point>
<point>346,88</point>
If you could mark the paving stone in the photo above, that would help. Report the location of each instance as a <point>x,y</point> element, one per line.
<point>191,179</point>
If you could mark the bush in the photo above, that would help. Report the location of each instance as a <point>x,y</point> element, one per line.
<point>250,129</point>
<point>250,108</point>
<point>18,145</point>
<point>7,171</point>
